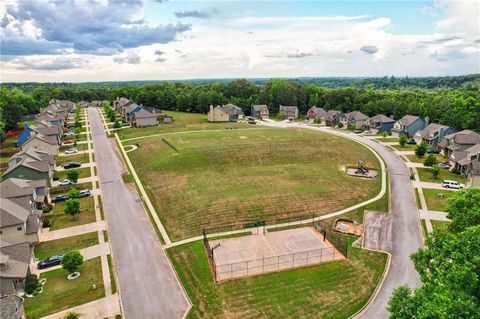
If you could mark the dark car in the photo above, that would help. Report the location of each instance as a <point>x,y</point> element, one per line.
<point>72,165</point>
<point>411,141</point>
<point>432,150</point>
<point>59,198</point>
<point>50,262</point>
<point>70,126</point>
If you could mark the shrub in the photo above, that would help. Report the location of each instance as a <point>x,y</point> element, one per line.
<point>430,161</point>
<point>72,260</point>
<point>31,283</point>
<point>385,134</point>
<point>421,149</point>
<point>340,125</point>
<point>116,124</point>
<point>403,140</point>
<point>435,170</point>
<point>46,210</point>
<point>72,315</point>
<point>456,171</point>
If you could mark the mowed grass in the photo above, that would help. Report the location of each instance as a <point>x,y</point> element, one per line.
<point>84,172</point>
<point>46,249</point>
<point>440,225</point>
<point>406,147</point>
<point>211,179</point>
<point>426,176</point>
<point>59,293</point>
<point>416,159</point>
<point>181,122</point>
<point>80,158</point>
<point>331,290</point>
<point>435,201</point>
<point>58,219</point>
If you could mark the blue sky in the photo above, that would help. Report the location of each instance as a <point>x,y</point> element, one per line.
<point>94,40</point>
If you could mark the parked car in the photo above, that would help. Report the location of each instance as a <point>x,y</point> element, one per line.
<point>252,122</point>
<point>50,262</point>
<point>84,193</point>
<point>411,141</point>
<point>432,150</point>
<point>357,131</point>
<point>367,132</point>
<point>59,198</point>
<point>452,184</point>
<point>444,165</point>
<point>72,150</point>
<point>69,133</point>
<point>70,126</point>
<point>250,118</point>
<point>65,182</point>
<point>68,142</point>
<point>72,165</point>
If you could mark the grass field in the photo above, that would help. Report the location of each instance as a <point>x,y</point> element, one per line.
<point>81,158</point>
<point>61,246</point>
<point>210,179</point>
<point>387,139</point>
<point>434,202</point>
<point>181,122</point>
<point>64,189</point>
<point>440,225</point>
<point>406,147</point>
<point>416,159</point>
<point>83,173</point>
<point>59,293</point>
<point>426,176</point>
<point>332,290</point>
<point>58,219</point>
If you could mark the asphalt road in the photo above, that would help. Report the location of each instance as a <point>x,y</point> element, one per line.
<point>406,232</point>
<point>148,286</point>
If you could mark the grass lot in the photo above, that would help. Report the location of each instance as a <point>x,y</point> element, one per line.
<point>59,293</point>
<point>80,158</point>
<point>84,172</point>
<point>46,249</point>
<point>440,225</point>
<point>64,189</point>
<point>81,137</point>
<point>415,159</point>
<point>426,176</point>
<point>112,274</point>
<point>332,290</point>
<point>181,122</point>
<point>58,219</point>
<point>406,147</point>
<point>79,147</point>
<point>417,198</point>
<point>210,179</point>
<point>424,228</point>
<point>434,202</point>
<point>386,139</point>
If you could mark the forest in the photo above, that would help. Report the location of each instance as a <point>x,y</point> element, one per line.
<point>453,101</point>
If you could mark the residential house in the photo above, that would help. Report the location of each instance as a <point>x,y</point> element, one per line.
<point>19,189</point>
<point>331,118</point>
<point>20,220</point>
<point>119,103</point>
<point>224,113</point>
<point>32,154</point>
<point>409,125</point>
<point>458,141</point>
<point>143,118</point>
<point>315,113</point>
<point>32,170</point>
<point>11,307</point>
<point>288,112</point>
<point>49,117</point>
<point>461,160</point>
<point>15,263</point>
<point>473,174</point>
<point>433,134</point>
<point>379,124</point>
<point>45,128</point>
<point>259,111</point>
<point>353,120</point>
<point>40,142</point>
<point>127,111</point>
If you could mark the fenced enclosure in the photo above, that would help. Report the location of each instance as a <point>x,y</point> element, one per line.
<point>251,255</point>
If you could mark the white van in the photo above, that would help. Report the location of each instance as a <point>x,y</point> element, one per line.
<point>452,184</point>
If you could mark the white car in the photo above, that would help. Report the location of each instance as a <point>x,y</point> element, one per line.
<point>69,133</point>
<point>65,182</point>
<point>71,151</point>
<point>452,184</point>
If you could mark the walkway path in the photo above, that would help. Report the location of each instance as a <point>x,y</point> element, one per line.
<point>147,282</point>
<point>434,215</point>
<point>48,235</point>
<point>94,309</point>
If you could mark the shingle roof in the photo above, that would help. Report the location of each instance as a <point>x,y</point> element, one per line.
<point>231,109</point>
<point>36,155</point>
<point>11,213</point>
<point>41,166</point>
<point>131,107</point>
<point>143,114</point>
<point>331,114</point>
<point>260,107</point>
<point>408,119</point>
<point>11,306</point>
<point>51,130</point>
<point>287,108</point>
<point>123,101</point>
<point>356,115</point>
<point>319,112</point>
<point>15,260</point>
<point>464,137</point>
<point>380,118</point>
<point>47,139</point>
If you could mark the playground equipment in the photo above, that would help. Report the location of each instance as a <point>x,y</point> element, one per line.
<point>361,169</point>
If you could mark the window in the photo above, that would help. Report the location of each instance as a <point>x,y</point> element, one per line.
<point>19,227</point>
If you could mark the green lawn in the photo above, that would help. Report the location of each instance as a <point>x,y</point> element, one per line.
<point>387,139</point>
<point>424,228</point>
<point>81,137</point>
<point>181,122</point>
<point>80,158</point>
<point>46,249</point>
<point>417,198</point>
<point>440,225</point>
<point>58,219</point>
<point>415,159</point>
<point>79,147</point>
<point>59,293</point>
<point>112,274</point>
<point>64,189</point>
<point>211,179</point>
<point>426,176</point>
<point>406,147</point>
<point>84,172</point>
<point>435,202</point>
<point>331,290</point>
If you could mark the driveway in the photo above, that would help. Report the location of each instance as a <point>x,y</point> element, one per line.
<point>147,282</point>
<point>406,232</point>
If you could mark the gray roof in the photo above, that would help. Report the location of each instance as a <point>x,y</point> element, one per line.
<point>11,306</point>
<point>143,114</point>
<point>123,101</point>
<point>35,154</point>
<point>319,111</point>
<point>329,116</point>
<point>356,115</point>
<point>15,260</point>
<point>408,119</point>
<point>380,118</point>
<point>47,139</point>
<point>51,130</point>
<point>41,166</point>
<point>17,187</point>
<point>11,213</point>
<point>232,109</point>
<point>260,107</point>
<point>287,108</point>
<point>475,169</point>
<point>464,137</point>
<point>131,107</point>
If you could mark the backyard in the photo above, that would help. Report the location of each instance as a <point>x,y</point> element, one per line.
<point>210,179</point>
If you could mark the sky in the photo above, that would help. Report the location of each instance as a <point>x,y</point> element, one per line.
<point>126,40</point>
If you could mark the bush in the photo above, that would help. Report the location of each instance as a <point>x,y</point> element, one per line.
<point>72,260</point>
<point>430,161</point>
<point>46,210</point>
<point>435,170</point>
<point>31,283</point>
<point>403,140</point>
<point>46,223</point>
<point>385,134</point>
<point>421,149</point>
<point>456,171</point>
<point>340,125</point>
<point>116,124</point>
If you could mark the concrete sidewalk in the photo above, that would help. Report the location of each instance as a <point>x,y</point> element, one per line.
<point>439,186</point>
<point>47,235</point>
<point>94,309</point>
<point>434,215</point>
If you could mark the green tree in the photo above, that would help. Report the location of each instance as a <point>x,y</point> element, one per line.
<point>430,161</point>
<point>72,207</point>
<point>463,209</point>
<point>72,261</point>
<point>435,170</point>
<point>73,193</point>
<point>72,174</point>
<point>403,140</point>
<point>421,149</point>
<point>116,124</point>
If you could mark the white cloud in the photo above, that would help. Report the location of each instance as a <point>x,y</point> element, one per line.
<point>462,16</point>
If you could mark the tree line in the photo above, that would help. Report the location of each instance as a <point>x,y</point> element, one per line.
<point>452,104</point>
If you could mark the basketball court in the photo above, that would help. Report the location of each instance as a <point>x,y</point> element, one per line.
<point>273,251</point>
